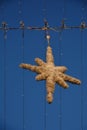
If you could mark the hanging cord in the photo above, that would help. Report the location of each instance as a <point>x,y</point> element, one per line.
<point>44,9</point>
<point>22,45</point>
<point>5,37</point>
<point>82,69</point>
<point>60,53</point>
<point>83,24</point>
<point>2,10</point>
<point>20,9</point>
<point>45,112</point>
<point>4,25</point>
<point>60,91</point>
<point>64,9</point>
<point>63,25</point>
<point>83,17</point>
<point>82,79</point>
<point>22,28</point>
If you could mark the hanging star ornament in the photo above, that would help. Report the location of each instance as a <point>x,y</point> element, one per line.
<point>51,73</point>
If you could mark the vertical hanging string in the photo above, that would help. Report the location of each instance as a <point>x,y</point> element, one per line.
<point>23,76</point>
<point>60,91</point>
<point>5,36</point>
<point>2,11</point>
<point>20,9</point>
<point>60,53</point>
<point>22,45</point>
<point>4,80</point>
<point>23,103</point>
<point>44,9</point>
<point>82,61</point>
<point>45,114</point>
<point>4,64</point>
<point>82,66</point>
<point>64,9</point>
<point>83,17</point>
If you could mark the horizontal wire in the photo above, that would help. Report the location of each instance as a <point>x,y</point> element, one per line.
<point>43,28</point>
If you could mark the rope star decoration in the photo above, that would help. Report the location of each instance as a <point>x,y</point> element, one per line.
<point>51,73</point>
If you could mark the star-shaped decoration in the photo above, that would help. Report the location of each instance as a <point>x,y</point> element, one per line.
<point>51,73</point>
